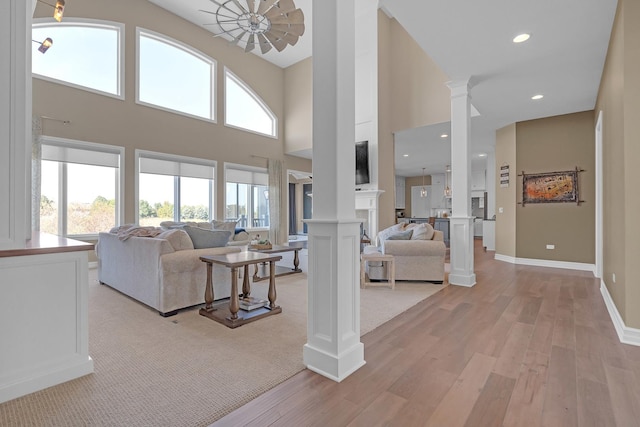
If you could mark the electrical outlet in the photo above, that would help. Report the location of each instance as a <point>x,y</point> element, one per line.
<point>551,246</point>
<point>500,210</point>
<point>613,276</point>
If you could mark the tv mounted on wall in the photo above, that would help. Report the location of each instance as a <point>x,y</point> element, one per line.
<point>362,162</point>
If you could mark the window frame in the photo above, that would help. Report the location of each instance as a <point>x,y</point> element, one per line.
<point>93,23</point>
<point>250,201</point>
<point>62,181</point>
<point>162,38</point>
<point>176,193</point>
<point>256,97</point>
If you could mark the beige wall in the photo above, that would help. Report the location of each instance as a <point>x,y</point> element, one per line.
<point>106,120</point>
<point>419,95</point>
<point>298,106</point>
<point>553,144</point>
<point>619,101</point>
<point>506,197</point>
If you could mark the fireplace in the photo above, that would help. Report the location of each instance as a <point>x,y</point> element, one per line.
<point>367,210</point>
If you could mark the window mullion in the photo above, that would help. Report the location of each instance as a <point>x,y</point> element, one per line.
<point>176,198</point>
<point>62,197</point>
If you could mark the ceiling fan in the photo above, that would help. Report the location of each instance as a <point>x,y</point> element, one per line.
<point>263,23</point>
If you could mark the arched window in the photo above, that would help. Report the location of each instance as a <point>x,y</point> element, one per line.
<point>86,54</point>
<point>175,77</point>
<point>244,109</point>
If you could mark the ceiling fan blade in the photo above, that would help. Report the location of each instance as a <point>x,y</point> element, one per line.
<point>251,44</point>
<point>265,5</point>
<point>251,5</point>
<point>291,39</point>
<point>295,17</point>
<point>237,39</point>
<point>282,6</point>
<point>296,30</point>
<point>278,43</point>
<point>265,46</point>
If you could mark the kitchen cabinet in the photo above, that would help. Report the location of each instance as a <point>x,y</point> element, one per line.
<point>442,224</point>
<point>400,192</point>
<point>420,206</point>
<point>489,234</point>
<point>437,188</point>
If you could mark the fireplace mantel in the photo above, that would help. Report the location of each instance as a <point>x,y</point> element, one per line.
<point>367,200</point>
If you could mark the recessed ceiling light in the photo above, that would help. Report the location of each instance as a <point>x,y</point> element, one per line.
<point>482,155</point>
<point>405,155</point>
<point>444,135</point>
<point>521,38</point>
<point>537,97</point>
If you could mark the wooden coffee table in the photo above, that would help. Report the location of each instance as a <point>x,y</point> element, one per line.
<point>280,271</point>
<point>227,313</point>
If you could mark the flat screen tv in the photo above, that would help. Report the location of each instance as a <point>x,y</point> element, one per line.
<point>362,162</point>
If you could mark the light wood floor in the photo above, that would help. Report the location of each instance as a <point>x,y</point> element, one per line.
<point>527,346</point>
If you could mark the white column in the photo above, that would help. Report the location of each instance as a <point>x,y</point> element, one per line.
<point>333,347</point>
<point>15,123</point>
<point>461,221</point>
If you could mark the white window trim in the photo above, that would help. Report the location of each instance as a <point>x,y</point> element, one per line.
<point>247,168</point>
<point>189,49</point>
<point>94,23</point>
<point>257,98</point>
<point>90,146</point>
<point>172,158</point>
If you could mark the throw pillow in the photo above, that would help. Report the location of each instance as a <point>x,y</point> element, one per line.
<point>422,232</point>
<point>224,225</point>
<point>178,239</point>
<point>404,235</point>
<point>203,238</point>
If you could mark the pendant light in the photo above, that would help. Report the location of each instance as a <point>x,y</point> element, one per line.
<point>447,189</point>
<point>423,190</point>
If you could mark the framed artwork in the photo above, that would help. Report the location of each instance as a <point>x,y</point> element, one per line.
<point>551,187</point>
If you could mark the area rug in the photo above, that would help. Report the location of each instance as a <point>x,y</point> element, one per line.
<point>186,370</point>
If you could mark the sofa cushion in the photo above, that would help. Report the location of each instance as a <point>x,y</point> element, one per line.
<point>179,239</point>
<point>224,225</point>
<point>403,235</point>
<point>174,224</point>
<point>203,238</point>
<point>422,231</point>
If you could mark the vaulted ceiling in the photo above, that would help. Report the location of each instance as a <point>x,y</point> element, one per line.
<point>562,60</point>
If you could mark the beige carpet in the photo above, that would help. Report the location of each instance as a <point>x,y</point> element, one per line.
<point>186,370</point>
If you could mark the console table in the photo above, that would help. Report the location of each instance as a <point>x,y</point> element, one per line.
<point>227,313</point>
<point>282,271</point>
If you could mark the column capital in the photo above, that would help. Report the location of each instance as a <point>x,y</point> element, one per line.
<point>459,87</point>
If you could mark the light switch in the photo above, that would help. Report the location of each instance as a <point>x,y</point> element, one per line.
<point>500,210</point>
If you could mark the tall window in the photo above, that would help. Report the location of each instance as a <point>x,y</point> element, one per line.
<point>86,54</point>
<point>245,110</point>
<point>175,77</point>
<point>80,187</point>
<point>247,196</point>
<point>174,188</point>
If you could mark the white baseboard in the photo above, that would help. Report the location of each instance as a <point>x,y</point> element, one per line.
<point>626,334</point>
<point>546,263</point>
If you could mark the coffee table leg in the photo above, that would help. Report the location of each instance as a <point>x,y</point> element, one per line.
<point>234,304</point>
<point>272,285</point>
<point>246,286</point>
<point>208,291</point>
<point>296,260</point>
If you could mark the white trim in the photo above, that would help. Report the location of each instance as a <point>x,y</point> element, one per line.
<point>256,97</point>
<point>213,111</point>
<point>92,23</point>
<point>626,334</point>
<point>93,265</point>
<point>599,200</point>
<point>546,263</point>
